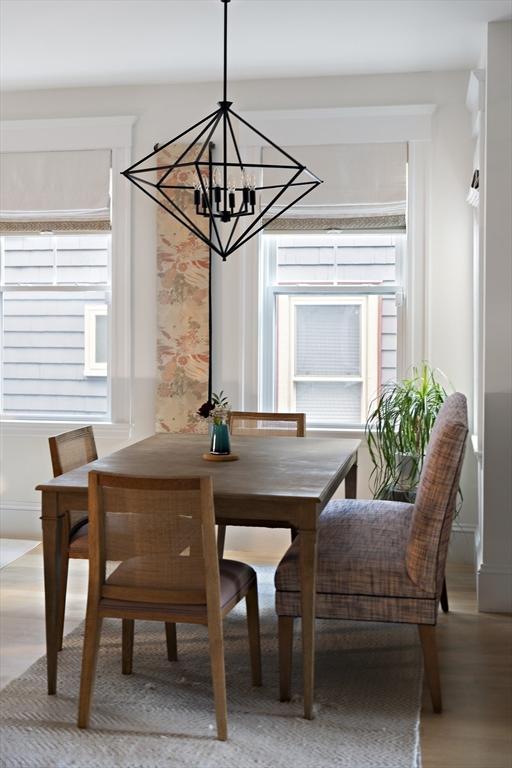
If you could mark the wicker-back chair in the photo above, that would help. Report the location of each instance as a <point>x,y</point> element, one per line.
<point>161,535</point>
<point>259,424</point>
<point>68,451</point>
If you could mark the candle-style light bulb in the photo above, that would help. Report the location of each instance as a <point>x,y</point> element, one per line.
<point>217,177</point>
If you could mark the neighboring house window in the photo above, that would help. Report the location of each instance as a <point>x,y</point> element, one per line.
<point>95,339</point>
<point>330,330</point>
<point>55,339</point>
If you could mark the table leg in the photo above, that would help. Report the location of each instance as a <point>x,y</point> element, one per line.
<point>308,598</point>
<point>52,523</point>
<point>351,483</point>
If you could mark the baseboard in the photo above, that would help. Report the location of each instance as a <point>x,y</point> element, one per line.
<point>462,547</point>
<point>20,520</point>
<point>494,588</point>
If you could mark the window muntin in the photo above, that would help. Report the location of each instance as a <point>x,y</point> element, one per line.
<point>330,323</point>
<point>53,365</point>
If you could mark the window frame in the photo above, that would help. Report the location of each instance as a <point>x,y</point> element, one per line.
<point>270,289</point>
<point>114,134</point>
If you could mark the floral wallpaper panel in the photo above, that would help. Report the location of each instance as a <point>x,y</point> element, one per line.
<point>182,316</point>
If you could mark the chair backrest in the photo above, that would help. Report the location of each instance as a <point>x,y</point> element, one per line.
<point>267,424</point>
<point>161,534</point>
<point>72,449</point>
<point>436,497</point>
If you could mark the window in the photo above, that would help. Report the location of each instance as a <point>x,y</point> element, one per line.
<point>95,339</point>
<point>330,323</point>
<point>61,362</point>
<point>55,292</point>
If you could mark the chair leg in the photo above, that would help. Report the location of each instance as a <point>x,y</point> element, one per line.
<point>444,597</point>
<point>285,633</point>
<point>253,626</point>
<point>429,646</point>
<point>61,606</point>
<point>127,653</point>
<point>172,643</point>
<point>221,538</point>
<point>90,654</point>
<point>216,642</point>
<point>64,567</point>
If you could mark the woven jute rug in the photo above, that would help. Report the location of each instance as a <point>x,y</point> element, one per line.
<point>368,685</point>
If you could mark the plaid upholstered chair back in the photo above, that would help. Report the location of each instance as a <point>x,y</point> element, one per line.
<point>436,497</point>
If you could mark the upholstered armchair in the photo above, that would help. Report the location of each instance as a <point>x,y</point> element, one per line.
<point>384,560</point>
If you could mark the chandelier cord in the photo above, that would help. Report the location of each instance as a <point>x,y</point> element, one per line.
<point>210,315</point>
<point>225,97</point>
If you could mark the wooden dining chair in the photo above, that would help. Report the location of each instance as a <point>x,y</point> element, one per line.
<point>161,534</point>
<point>384,560</point>
<point>68,451</point>
<point>259,424</point>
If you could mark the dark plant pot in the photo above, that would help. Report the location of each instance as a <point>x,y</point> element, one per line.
<point>398,494</point>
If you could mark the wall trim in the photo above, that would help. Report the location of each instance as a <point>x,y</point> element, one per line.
<point>341,125</point>
<point>20,520</point>
<point>19,428</point>
<point>494,588</point>
<point>66,133</point>
<point>462,548</point>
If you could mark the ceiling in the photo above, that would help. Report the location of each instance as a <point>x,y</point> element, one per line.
<point>62,43</point>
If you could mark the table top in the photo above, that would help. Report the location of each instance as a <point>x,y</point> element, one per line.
<point>307,468</point>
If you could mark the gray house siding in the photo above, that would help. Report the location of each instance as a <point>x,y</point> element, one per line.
<point>358,260</point>
<point>44,331</point>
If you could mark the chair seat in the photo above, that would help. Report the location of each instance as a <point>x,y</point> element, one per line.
<point>79,542</point>
<point>361,565</point>
<point>235,581</point>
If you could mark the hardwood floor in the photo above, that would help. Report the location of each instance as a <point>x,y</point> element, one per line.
<point>474,731</point>
<point>475,654</point>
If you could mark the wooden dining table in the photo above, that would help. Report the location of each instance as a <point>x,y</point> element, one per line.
<point>277,482</point>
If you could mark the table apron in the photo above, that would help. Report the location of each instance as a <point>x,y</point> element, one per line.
<point>272,513</point>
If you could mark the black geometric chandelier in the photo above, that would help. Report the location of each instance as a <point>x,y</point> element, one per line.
<point>205,184</point>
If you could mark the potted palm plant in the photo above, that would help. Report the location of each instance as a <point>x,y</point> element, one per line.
<point>398,430</point>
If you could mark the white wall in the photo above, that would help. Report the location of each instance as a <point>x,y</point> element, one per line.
<point>495,547</point>
<point>162,111</point>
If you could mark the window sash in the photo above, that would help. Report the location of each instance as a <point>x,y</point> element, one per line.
<point>270,292</point>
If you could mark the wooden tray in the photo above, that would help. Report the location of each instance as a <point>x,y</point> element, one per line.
<point>220,457</point>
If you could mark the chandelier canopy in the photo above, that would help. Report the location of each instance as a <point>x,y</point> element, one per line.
<point>200,178</point>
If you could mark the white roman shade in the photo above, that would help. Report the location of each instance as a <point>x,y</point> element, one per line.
<point>62,191</point>
<point>364,188</point>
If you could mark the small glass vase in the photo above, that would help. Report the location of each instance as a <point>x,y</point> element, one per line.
<point>219,432</point>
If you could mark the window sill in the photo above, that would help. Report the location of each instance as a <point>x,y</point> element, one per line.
<point>102,429</point>
<point>347,432</point>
